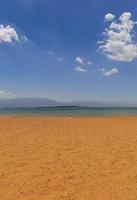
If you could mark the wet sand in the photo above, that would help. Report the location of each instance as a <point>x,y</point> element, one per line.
<point>68,158</point>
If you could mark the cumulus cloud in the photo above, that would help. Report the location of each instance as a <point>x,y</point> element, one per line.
<point>79,60</point>
<point>4,94</point>
<point>119,43</point>
<point>8,34</point>
<point>109,17</point>
<point>110,72</point>
<point>80,69</point>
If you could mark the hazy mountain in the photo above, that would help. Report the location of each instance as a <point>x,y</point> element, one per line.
<point>43,102</point>
<point>28,102</point>
<point>102,104</point>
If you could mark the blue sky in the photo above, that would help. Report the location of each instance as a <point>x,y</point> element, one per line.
<point>69,50</point>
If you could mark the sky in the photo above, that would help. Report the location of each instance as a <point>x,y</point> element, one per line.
<point>72,50</point>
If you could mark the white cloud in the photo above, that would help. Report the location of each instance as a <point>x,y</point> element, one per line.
<point>109,17</point>
<point>119,41</point>
<point>4,94</point>
<point>24,38</point>
<point>110,72</point>
<point>100,42</point>
<point>8,34</point>
<point>50,53</point>
<point>101,69</point>
<point>54,55</point>
<point>79,60</point>
<point>89,63</point>
<point>80,69</point>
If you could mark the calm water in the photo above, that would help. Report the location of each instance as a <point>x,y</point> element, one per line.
<point>69,111</point>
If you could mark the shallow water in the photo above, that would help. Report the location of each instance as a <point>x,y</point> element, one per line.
<point>70,111</point>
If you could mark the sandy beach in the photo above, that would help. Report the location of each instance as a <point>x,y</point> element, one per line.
<point>68,158</point>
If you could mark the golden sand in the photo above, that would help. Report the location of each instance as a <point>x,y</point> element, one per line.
<point>68,158</point>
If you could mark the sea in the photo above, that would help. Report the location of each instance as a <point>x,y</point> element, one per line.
<point>69,111</point>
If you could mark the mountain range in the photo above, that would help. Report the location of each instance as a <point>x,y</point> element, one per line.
<point>44,102</point>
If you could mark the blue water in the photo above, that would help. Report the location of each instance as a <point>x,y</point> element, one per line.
<point>70,111</point>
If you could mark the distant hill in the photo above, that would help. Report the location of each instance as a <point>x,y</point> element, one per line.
<point>101,104</point>
<point>43,102</point>
<point>28,102</point>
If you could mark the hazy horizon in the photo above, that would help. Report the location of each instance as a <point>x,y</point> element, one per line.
<point>45,102</point>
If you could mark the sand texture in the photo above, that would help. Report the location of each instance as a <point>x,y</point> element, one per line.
<point>68,158</point>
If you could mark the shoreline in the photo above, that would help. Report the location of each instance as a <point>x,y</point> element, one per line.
<point>67,117</point>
